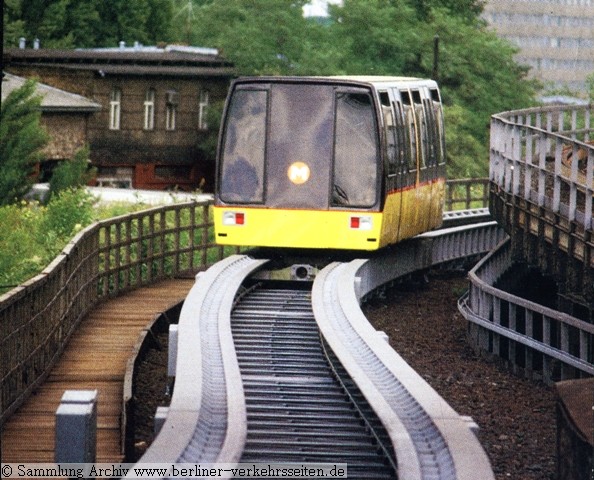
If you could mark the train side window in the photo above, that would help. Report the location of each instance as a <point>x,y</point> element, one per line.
<point>402,138</point>
<point>356,150</point>
<point>421,124</point>
<point>432,134</point>
<point>390,130</point>
<point>439,124</point>
<point>244,147</point>
<point>411,124</point>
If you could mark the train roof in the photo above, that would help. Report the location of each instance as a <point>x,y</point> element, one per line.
<point>367,80</point>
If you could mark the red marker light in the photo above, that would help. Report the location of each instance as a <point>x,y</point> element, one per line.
<point>361,223</point>
<point>233,218</point>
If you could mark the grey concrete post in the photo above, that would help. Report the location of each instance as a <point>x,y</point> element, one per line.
<point>76,427</point>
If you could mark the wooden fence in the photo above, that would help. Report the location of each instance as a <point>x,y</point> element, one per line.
<point>466,193</point>
<point>104,260</point>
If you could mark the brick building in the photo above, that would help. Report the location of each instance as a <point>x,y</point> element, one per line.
<point>152,125</point>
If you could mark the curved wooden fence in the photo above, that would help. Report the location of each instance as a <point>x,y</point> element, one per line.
<point>104,260</point>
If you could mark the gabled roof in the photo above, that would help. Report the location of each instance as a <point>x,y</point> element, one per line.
<point>53,99</point>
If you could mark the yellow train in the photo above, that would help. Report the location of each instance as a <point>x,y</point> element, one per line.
<point>352,163</point>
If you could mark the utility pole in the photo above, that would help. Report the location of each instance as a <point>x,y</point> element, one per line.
<point>435,74</point>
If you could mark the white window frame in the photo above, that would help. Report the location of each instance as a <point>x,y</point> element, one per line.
<point>149,109</point>
<point>170,114</point>
<point>171,110</point>
<point>203,109</point>
<point>115,109</point>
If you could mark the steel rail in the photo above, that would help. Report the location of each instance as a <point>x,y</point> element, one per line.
<point>430,439</point>
<point>206,418</point>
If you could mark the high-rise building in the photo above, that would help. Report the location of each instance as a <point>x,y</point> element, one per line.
<point>555,37</point>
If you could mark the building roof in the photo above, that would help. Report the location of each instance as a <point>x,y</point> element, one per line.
<point>53,99</point>
<point>138,60</point>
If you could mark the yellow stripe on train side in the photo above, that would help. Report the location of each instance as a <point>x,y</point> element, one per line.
<point>412,211</point>
<point>351,230</point>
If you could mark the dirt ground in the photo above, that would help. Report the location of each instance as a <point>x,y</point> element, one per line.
<point>516,416</point>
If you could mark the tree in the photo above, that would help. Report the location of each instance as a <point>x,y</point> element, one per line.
<point>477,73</point>
<point>465,9</point>
<point>378,37</point>
<point>89,23</point>
<point>12,23</point>
<point>258,36</point>
<point>477,70</point>
<point>21,141</point>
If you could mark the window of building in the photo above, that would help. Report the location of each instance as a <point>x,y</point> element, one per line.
<point>203,110</point>
<point>149,109</point>
<point>171,109</point>
<point>115,109</point>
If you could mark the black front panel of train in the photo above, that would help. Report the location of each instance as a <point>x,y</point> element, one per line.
<point>300,146</point>
<point>301,131</point>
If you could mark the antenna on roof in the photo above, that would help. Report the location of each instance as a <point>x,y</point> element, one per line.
<point>189,8</point>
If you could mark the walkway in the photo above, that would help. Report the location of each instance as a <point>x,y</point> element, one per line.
<point>95,358</point>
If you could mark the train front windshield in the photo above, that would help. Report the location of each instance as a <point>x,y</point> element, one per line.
<point>305,146</point>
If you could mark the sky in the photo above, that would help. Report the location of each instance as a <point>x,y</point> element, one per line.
<point>318,8</point>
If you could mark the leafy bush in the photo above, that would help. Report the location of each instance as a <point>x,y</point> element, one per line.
<point>20,255</point>
<point>66,213</point>
<point>72,173</point>
<point>31,235</point>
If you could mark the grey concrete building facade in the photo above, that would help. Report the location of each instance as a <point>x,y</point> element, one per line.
<point>555,37</point>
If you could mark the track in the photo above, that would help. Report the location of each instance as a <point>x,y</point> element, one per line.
<point>298,409</point>
<point>271,372</point>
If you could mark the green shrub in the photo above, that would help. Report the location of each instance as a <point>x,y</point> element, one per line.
<point>20,255</point>
<point>66,213</point>
<point>72,173</point>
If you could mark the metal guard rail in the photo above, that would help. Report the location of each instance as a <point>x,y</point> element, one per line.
<point>499,315</point>
<point>532,158</point>
<point>207,416</point>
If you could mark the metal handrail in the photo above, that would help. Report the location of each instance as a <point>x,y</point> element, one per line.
<point>501,315</point>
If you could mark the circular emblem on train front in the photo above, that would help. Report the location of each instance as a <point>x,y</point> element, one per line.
<point>298,173</point>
